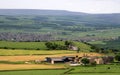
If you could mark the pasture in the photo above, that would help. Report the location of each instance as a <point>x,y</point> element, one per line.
<point>39,45</point>
<point>33,72</point>
<point>22,45</point>
<point>95,74</point>
<point>97,69</point>
<point>113,44</point>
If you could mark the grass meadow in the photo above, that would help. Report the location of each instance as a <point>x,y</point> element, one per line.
<point>38,45</point>
<point>95,74</point>
<point>33,72</point>
<point>97,69</point>
<point>22,45</point>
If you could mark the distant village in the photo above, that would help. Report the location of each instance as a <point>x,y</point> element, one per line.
<point>44,37</point>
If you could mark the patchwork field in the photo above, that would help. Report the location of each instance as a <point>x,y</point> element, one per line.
<point>12,62</point>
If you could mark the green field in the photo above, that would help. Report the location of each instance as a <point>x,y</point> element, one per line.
<point>33,72</point>
<point>22,45</point>
<point>9,52</point>
<point>95,74</point>
<point>37,45</point>
<point>97,69</point>
<point>112,44</point>
<point>62,26</point>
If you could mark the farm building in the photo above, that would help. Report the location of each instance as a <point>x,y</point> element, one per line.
<point>77,59</point>
<point>96,59</point>
<point>63,59</point>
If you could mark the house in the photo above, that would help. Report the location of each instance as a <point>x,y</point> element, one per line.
<point>63,59</point>
<point>73,47</point>
<point>96,59</point>
<point>53,60</point>
<point>108,59</point>
<point>99,61</point>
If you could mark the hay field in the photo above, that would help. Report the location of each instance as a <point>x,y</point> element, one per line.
<point>10,52</point>
<point>28,66</point>
<point>42,57</point>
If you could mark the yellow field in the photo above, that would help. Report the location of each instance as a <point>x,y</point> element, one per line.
<point>10,52</point>
<point>42,57</point>
<point>28,66</point>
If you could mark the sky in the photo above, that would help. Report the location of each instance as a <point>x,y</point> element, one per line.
<point>87,6</point>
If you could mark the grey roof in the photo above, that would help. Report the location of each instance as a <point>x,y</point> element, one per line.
<point>59,58</point>
<point>56,58</point>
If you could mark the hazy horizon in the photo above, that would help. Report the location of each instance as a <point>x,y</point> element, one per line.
<point>86,6</point>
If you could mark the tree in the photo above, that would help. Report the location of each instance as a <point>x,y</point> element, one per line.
<point>85,61</point>
<point>54,46</point>
<point>78,50</point>
<point>117,57</point>
<point>48,45</point>
<point>67,43</point>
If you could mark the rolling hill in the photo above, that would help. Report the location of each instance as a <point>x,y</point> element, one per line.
<point>37,12</point>
<point>59,23</point>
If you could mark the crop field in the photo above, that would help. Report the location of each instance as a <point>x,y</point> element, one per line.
<point>8,55</point>
<point>5,67</point>
<point>10,52</point>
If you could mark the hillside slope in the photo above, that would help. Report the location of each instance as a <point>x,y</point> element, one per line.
<point>39,45</point>
<point>59,23</point>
